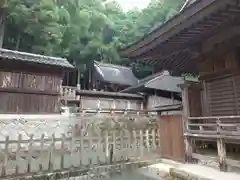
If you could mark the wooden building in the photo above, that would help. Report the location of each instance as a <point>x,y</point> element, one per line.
<point>203,38</point>
<point>30,83</point>
<point>161,90</point>
<point>111,78</point>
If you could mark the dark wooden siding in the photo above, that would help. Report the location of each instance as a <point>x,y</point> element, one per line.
<point>28,103</point>
<point>194,97</point>
<point>223,96</point>
<point>171,138</point>
<point>30,81</point>
<point>23,92</point>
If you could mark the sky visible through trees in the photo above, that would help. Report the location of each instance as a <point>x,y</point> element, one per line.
<point>80,30</point>
<point>131,4</point>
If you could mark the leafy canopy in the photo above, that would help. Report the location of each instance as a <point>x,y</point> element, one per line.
<point>80,30</point>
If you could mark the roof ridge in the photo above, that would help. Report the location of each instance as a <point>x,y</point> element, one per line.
<point>36,58</point>
<point>154,76</point>
<point>2,50</point>
<point>112,65</point>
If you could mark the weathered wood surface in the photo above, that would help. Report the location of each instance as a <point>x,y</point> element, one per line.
<point>219,129</point>
<point>222,125</point>
<point>102,100</point>
<point>30,81</point>
<point>25,92</point>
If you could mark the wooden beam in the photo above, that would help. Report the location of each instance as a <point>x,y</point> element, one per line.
<point>221,146</point>
<point>204,157</point>
<point>30,91</point>
<point>226,34</point>
<point>186,114</point>
<point>183,21</point>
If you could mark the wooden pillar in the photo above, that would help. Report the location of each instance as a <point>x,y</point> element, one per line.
<point>221,146</point>
<point>185,116</point>
<point>78,79</point>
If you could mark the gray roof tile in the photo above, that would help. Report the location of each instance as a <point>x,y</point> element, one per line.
<point>34,58</point>
<point>115,74</point>
<point>159,81</point>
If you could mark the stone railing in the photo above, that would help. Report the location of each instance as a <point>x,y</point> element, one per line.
<point>68,92</point>
<point>26,155</point>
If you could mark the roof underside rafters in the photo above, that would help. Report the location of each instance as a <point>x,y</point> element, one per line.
<point>179,41</point>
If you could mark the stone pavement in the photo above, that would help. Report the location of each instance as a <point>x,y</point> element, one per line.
<point>188,171</point>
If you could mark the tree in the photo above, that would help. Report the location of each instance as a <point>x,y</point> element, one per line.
<point>3,15</point>
<point>80,30</point>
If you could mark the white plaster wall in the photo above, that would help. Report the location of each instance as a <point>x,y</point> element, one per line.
<point>154,101</point>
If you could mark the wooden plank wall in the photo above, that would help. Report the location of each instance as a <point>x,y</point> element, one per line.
<point>29,93</point>
<point>171,138</point>
<point>30,81</point>
<point>28,103</point>
<point>195,100</point>
<point>221,77</point>
<point>154,101</point>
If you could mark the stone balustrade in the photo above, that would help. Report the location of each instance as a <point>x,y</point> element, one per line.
<point>68,92</point>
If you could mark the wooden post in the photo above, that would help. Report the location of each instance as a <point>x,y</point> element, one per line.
<point>189,148</point>
<point>221,146</point>
<point>185,116</point>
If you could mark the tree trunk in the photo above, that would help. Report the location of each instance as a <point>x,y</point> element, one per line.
<point>2,28</point>
<point>18,41</point>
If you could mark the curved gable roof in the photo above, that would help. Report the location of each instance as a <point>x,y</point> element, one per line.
<point>115,74</point>
<point>175,45</point>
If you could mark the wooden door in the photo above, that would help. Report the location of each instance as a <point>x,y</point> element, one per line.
<point>172,138</point>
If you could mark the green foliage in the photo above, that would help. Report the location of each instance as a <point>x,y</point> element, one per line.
<point>80,30</point>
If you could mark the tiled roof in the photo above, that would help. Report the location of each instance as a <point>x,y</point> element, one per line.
<point>159,81</point>
<point>115,74</point>
<point>34,58</point>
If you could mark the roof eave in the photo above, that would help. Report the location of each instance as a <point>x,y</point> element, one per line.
<point>35,59</point>
<point>172,26</point>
